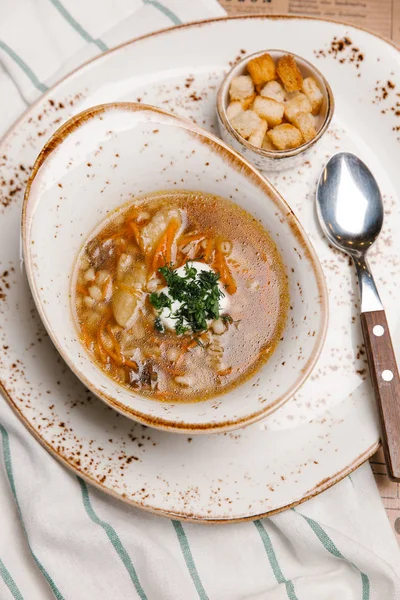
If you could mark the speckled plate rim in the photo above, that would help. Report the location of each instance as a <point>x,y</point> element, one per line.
<point>88,62</point>
<point>321,486</point>
<point>237,162</point>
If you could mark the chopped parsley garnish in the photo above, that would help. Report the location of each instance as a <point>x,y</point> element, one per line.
<point>198,294</point>
<point>158,325</point>
<point>160,301</point>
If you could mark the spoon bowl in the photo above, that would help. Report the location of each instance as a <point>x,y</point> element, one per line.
<point>349,204</point>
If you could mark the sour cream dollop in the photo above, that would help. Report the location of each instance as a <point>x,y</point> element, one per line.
<point>169,322</point>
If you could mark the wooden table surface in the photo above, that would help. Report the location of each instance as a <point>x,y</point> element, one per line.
<point>383,17</point>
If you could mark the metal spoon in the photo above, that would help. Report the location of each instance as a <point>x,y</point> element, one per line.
<point>350,211</point>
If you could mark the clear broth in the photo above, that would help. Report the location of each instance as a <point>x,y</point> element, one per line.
<point>116,271</point>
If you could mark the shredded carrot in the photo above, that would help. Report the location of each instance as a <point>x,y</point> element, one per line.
<point>100,347</point>
<point>159,256</point>
<point>118,234</point>
<point>170,234</point>
<point>192,237</point>
<point>117,347</point>
<point>224,372</point>
<point>85,335</point>
<point>81,290</point>
<point>115,356</point>
<point>136,233</point>
<point>116,353</point>
<point>163,250</point>
<point>130,363</point>
<point>209,249</point>
<point>225,274</point>
<point>104,286</point>
<point>176,368</point>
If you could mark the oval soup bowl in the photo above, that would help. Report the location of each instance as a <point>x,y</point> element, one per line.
<point>105,157</point>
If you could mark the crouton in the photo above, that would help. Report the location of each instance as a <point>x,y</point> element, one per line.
<point>285,136</point>
<point>313,93</point>
<point>289,73</point>
<point>267,144</point>
<point>241,87</point>
<point>257,138</point>
<point>270,110</point>
<point>299,104</point>
<point>262,69</point>
<point>233,109</point>
<point>247,102</point>
<point>274,90</point>
<point>246,123</point>
<point>291,95</point>
<point>305,124</point>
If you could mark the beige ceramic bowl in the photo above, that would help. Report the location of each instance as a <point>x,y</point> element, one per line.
<point>113,153</point>
<point>276,160</point>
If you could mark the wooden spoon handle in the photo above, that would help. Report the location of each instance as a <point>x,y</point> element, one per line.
<point>385,379</point>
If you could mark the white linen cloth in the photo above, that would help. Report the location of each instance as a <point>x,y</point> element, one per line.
<point>62,538</point>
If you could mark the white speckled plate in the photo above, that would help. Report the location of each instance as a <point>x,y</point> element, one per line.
<point>330,427</point>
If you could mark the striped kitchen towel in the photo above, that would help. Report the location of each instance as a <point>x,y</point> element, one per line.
<point>61,538</point>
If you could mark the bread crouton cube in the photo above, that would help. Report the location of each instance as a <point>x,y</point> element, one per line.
<point>291,95</point>
<point>269,109</point>
<point>247,102</point>
<point>233,109</point>
<point>285,136</point>
<point>262,69</point>
<point>241,87</point>
<point>289,73</point>
<point>299,104</point>
<point>267,144</point>
<point>246,123</point>
<point>313,93</point>
<point>274,90</point>
<point>256,139</point>
<point>306,125</point>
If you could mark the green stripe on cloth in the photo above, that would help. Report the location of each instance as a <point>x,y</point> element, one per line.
<point>187,555</point>
<point>9,581</point>
<point>10,476</point>
<point>332,549</point>
<point>166,11</point>
<point>24,67</point>
<point>77,26</point>
<point>114,539</point>
<point>273,561</point>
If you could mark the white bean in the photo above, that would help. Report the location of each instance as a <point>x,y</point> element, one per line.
<point>184,380</point>
<point>102,276</point>
<point>153,284</point>
<point>172,353</point>
<point>88,302</point>
<point>218,327</point>
<point>95,293</point>
<point>92,319</point>
<point>143,216</point>
<point>124,262</point>
<point>90,275</point>
<point>84,263</point>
